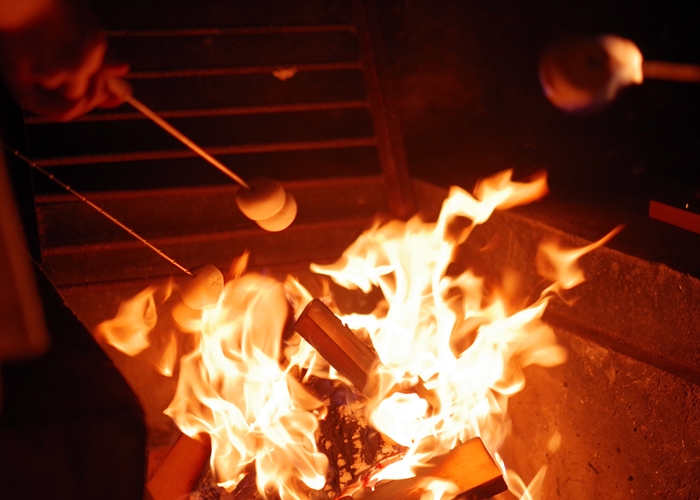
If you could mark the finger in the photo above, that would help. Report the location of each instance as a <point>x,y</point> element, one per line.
<point>97,94</point>
<point>74,82</point>
<point>116,69</point>
<point>41,101</point>
<point>111,72</point>
<point>77,85</point>
<point>112,101</point>
<point>94,94</point>
<point>53,81</point>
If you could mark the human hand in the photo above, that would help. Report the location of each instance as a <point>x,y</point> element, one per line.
<point>54,62</point>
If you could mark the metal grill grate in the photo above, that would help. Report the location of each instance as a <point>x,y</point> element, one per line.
<point>299,99</point>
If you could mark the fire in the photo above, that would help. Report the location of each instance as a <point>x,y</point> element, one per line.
<point>559,265</point>
<point>233,387</point>
<point>436,489</point>
<point>426,312</point>
<point>136,317</point>
<point>240,383</point>
<point>166,363</point>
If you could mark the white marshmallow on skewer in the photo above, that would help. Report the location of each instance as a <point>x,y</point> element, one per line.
<point>584,74</point>
<point>282,219</point>
<point>204,289</point>
<point>580,74</point>
<point>264,199</point>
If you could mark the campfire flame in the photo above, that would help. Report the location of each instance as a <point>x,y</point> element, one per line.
<point>128,331</point>
<point>233,387</point>
<point>240,383</point>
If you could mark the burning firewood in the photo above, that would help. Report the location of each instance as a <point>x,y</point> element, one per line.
<point>180,470</point>
<point>468,469</point>
<point>338,345</point>
<point>352,446</point>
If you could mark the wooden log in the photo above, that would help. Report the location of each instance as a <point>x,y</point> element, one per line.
<point>337,344</point>
<point>506,495</point>
<point>178,475</point>
<point>468,466</point>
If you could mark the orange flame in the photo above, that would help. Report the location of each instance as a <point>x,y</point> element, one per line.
<point>128,330</point>
<point>415,330</point>
<point>435,489</point>
<point>466,347</point>
<point>166,364</point>
<point>233,388</point>
<point>560,265</point>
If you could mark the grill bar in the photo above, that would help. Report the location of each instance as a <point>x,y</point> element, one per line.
<point>242,30</point>
<point>213,237</point>
<point>365,183</point>
<point>217,151</point>
<point>244,70</point>
<point>390,145</point>
<point>199,113</point>
<point>336,92</point>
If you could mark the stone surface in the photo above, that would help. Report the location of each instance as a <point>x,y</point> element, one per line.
<point>644,309</point>
<point>627,430</point>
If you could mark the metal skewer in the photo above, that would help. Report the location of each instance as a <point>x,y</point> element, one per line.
<point>586,73</point>
<point>678,72</point>
<point>264,201</point>
<point>100,210</point>
<point>123,89</point>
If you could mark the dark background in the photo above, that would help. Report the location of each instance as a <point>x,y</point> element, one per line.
<point>465,86</point>
<point>467,89</point>
<point>464,75</point>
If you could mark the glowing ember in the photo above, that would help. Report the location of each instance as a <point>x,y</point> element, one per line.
<point>240,385</point>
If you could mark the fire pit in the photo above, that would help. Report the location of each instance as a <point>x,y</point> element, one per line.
<point>455,347</point>
<point>618,419</point>
<point>600,416</point>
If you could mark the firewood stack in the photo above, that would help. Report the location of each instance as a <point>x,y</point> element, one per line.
<point>354,449</point>
<point>345,437</point>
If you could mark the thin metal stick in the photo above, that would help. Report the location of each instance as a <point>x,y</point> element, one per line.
<point>679,72</point>
<point>100,210</point>
<point>182,138</point>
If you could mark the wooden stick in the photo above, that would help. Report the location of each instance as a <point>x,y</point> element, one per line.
<point>177,476</point>
<point>337,344</point>
<point>183,139</point>
<point>685,219</point>
<point>468,466</point>
<point>679,72</point>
